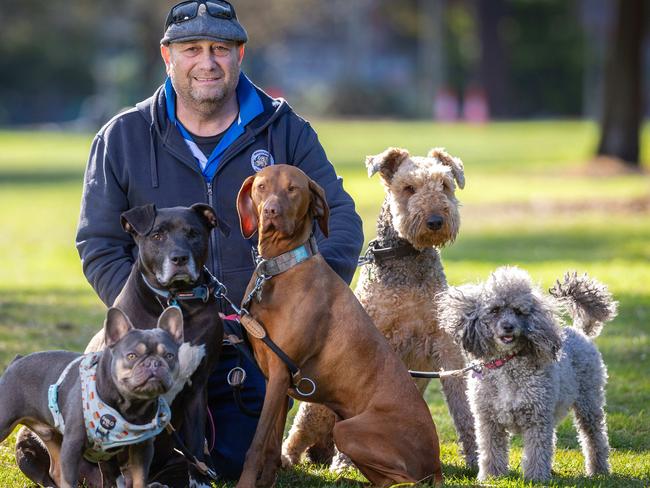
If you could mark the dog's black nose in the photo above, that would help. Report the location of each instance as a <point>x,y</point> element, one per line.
<point>180,259</point>
<point>508,328</point>
<point>435,222</point>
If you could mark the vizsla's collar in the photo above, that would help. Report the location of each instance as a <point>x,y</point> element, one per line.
<point>283,262</point>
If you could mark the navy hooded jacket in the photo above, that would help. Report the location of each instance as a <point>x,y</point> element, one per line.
<point>140,157</point>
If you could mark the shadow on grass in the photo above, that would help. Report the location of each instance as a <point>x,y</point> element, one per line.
<point>40,177</point>
<point>580,245</point>
<point>36,320</point>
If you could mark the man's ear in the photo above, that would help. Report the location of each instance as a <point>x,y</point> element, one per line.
<point>246,208</point>
<point>116,326</point>
<point>139,220</point>
<point>241,50</point>
<point>318,207</point>
<point>209,217</point>
<point>171,320</point>
<point>165,52</point>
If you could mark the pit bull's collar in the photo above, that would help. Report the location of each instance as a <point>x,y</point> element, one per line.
<point>201,292</point>
<point>106,429</point>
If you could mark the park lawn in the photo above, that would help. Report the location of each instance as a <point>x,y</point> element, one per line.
<point>527,202</point>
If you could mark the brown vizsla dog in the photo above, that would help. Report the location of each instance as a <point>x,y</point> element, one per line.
<point>383,424</point>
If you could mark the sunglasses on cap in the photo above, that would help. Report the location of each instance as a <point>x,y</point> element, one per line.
<point>185,11</point>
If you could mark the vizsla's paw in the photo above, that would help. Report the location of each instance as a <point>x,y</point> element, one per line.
<point>340,463</point>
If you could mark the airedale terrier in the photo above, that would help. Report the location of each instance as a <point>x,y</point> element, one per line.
<point>398,286</point>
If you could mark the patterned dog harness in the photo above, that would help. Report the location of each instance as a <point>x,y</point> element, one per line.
<point>107,431</point>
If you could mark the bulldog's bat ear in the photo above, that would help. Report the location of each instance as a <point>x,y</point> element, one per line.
<point>318,207</point>
<point>386,163</point>
<point>139,220</point>
<point>171,320</point>
<point>209,217</point>
<point>246,208</point>
<point>116,326</point>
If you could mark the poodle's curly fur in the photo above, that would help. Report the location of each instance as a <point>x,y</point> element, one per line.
<point>546,370</point>
<point>420,210</point>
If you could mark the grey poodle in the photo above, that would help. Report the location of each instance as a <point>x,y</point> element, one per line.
<point>532,370</point>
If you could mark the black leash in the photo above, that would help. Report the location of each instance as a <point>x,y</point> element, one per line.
<point>254,328</point>
<point>182,449</point>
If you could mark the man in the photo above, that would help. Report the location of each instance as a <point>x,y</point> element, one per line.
<point>196,140</point>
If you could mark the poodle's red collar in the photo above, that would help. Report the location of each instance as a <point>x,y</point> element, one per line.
<point>497,363</point>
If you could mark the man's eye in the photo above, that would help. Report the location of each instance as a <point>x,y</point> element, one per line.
<point>131,356</point>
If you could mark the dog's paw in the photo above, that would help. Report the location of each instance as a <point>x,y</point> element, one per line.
<point>289,460</point>
<point>340,463</point>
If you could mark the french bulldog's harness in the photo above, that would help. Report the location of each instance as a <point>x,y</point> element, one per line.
<point>107,431</point>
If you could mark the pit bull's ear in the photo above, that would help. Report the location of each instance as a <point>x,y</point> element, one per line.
<point>246,209</point>
<point>318,207</point>
<point>117,325</point>
<point>456,165</point>
<point>209,216</point>
<point>139,220</point>
<point>171,320</point>
<point>386,163</point>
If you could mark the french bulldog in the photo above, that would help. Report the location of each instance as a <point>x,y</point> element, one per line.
<point>102,407</point>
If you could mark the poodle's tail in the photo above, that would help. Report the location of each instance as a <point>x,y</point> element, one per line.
<point>588,301</point>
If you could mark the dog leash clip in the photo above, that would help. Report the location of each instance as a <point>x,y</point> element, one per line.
<point>299,380</point>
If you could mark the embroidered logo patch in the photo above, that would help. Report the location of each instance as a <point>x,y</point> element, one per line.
<point>108,421</point>
<point>260,159</point>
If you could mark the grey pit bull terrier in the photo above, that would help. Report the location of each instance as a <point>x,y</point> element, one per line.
<point>173,247</point>
<point>134,369</point>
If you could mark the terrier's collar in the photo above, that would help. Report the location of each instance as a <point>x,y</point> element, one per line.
<point>201,292</point>
<point>376,254</point>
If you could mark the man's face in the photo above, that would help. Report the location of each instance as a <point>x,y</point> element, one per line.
<point>204,73</point>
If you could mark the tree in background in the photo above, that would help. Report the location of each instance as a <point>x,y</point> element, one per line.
<point>623,101</point>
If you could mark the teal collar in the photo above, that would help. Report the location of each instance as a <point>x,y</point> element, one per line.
<point>267,268</point>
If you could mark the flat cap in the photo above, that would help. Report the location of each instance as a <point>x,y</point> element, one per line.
<point>207,19</point>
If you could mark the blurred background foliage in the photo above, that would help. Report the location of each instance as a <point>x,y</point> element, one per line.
<point>74,59</point>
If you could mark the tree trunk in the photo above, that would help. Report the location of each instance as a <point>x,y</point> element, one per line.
<point>493,64</point>
<point>623,104</point>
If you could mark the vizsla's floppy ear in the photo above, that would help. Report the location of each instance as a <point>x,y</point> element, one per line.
<point>209,216</point>
<point>116,326</point>
<point>456,165</point>
<point>318,207</point>
<point>171,320</point>
<point>386,163</point>
<point>139,220</point>
<point>246,209</point>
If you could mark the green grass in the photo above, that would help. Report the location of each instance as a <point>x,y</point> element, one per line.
<point>527,201</point>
